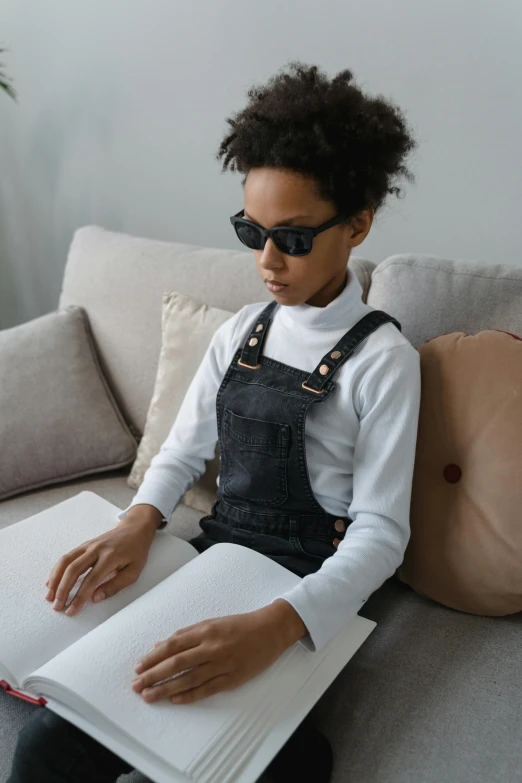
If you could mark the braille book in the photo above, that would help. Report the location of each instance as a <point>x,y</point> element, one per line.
<point>81,667</point>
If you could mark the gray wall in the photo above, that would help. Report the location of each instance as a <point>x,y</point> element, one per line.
<point>123,103</point>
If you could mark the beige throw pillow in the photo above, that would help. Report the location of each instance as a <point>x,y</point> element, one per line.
<point>188,326</point>
<point>58,418</point>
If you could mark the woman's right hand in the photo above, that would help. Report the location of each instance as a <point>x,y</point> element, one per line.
<point>123,549</point>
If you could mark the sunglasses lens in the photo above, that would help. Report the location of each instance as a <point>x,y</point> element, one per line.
<point>249,235</point>
<point>293,243</point>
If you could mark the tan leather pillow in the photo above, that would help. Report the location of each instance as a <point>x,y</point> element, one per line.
<point>465,549</point>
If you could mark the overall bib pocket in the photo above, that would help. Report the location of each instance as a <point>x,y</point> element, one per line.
<point>254,456</point>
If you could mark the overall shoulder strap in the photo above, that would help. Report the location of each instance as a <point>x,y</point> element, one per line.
<point>256,337</point>
<point>342,351</point>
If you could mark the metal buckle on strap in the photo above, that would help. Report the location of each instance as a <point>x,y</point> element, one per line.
<point>310,389</point>
<point>250,366</point>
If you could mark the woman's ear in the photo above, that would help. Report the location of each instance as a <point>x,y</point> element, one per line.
<point>360,225</point>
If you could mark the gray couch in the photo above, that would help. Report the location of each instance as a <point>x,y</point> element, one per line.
<point>434,694</point>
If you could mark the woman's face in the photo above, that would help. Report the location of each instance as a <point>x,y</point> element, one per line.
<point>279,197</point>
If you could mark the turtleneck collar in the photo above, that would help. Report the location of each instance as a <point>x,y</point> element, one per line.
<point>340,309</point>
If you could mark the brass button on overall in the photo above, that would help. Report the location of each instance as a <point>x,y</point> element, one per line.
<point>259,328</point>
<point>339,525</point>
<point>324,369</point>
<point>253,341</point>
<point>336,542</point>
<point>335,354</point>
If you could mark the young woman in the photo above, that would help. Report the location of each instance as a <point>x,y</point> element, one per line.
<point>314,399</point>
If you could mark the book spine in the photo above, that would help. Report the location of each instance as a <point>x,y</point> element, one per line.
<point>19,695</point>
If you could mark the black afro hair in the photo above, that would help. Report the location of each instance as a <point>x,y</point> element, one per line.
<point>352,145</point>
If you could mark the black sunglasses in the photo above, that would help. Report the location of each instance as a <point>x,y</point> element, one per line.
<point>292,240</point>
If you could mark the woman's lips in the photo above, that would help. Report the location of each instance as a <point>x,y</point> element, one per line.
<point>274,286</point>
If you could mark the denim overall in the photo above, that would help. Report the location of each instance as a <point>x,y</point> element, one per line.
<point>265,500</point>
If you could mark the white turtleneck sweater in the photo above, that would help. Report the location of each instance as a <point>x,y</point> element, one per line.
<point>360,446</point>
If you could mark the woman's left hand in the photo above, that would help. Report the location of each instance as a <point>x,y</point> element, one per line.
<point>220,653</point>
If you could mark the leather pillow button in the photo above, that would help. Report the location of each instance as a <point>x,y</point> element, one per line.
<point>452,473</point>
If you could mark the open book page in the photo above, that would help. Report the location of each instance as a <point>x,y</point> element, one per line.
<point>256,756</point>
<point>32,632</point>
<point>94,675</point>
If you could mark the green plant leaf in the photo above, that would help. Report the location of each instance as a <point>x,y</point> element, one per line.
<point>8,89</point>
<point>4,81</point>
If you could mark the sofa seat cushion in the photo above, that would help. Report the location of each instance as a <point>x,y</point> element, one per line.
<point>111,485</point>
<point>431,696</point>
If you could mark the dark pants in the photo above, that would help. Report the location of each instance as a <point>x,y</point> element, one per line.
<point>50,749</point>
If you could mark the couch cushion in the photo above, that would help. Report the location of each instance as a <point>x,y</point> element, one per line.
<point>58,418</point>
<point>188,327</point>
<point>120,280</point>
<point>110,485</point>
<point>465,548</point>
<point>430,296</point>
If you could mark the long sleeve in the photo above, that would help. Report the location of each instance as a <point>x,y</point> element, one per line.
<point>374,544</point>
<point>192,439</point>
